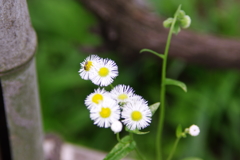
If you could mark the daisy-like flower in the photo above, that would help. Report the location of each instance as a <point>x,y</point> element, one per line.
<point>107,70</point>
<point>136,115</point>
<point>106,113</point>
<point>96,98</point>
<point>122,93</point>
<point>88,67</point>
<point>116,127</point>
<point>138,99</point>
<point>194,130</point>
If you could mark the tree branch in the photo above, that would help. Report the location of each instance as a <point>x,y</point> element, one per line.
<point>129,26</point>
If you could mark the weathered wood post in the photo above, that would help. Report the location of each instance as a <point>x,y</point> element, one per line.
<point>21,128</point>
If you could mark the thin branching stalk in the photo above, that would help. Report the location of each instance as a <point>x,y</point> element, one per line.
<point>174,148</point>
<point>118,137</point>
<point>163,91</point>
<point>139,154</point>
<point>136,148</point>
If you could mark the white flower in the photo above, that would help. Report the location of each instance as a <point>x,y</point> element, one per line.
<point>122,93</point>
<point>138,99</point>
<point>194,130</point>
<point>136,115</point>
<point>95,98</point>
<point>107,70</point>
<point>116,127</point>
<point>106,113</point>
<point>88,67</point>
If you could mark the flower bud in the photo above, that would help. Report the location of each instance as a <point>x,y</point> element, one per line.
<point>116,127</point>
<point>185,22</point>
<point>194,130</point>
<point>176,29</point>
<point>181,14</point>
<point>168,22</point>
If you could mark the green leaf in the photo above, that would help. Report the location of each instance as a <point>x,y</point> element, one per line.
<point>121,149</point>
<point>180,84</point>
<point>192,158</point>
<point>179,131</point>
<point>136,131</point>
<point>153,52</point>
<point>154,107</point>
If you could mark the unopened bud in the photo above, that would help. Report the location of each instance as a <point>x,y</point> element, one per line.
<point>185,22</point>
<point>116,127</point>
<point>181,14</point>
<point>168,22</point>
<point>194,130</point>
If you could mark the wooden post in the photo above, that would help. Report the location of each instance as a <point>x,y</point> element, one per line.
<point>20,102</point>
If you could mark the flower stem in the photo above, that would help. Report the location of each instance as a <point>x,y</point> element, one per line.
<point>136,148</point>
<point>139,153</point>
<point>111,86</point>
<point>163,91</point>
<point>174,148</point>
<point>118,137</point>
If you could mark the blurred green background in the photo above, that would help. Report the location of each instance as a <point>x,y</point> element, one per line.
<point>212,101</point>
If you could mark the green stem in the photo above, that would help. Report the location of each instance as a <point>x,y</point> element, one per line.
<point>131,135</point>
<point>118,137</point>
<point>111,86</point>
<point>136,148</point>
<point>163,91</point>
<point>139,153</point>
<point>174,148</point>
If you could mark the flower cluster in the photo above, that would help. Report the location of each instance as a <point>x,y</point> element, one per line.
<point>112,108</point>
<point>182,21</point>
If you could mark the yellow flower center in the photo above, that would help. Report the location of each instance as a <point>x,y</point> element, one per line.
<point>136,115</point>
<point>105,112</point>
<point>97,98</point>
<point>122,96</point>
<point>103,72</point>
<point>88,65</point>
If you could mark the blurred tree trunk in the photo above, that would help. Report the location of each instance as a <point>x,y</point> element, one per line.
<point>129,26</point>
<point>21,136</point>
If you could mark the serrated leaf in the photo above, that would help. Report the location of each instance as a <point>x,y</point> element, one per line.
<point>153,52</point>
<point>180,84</point>
<point>136,131</point>
<point>192,158</point>
<point>179,131</point>
<point>121,149</point>
<point>154,107</point>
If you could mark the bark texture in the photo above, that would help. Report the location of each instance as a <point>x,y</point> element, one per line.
<point>129,26</point>
<point>17,37</point>
<point>19,82</point>
<point>21,101</point>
